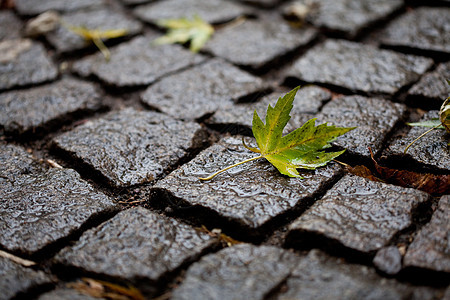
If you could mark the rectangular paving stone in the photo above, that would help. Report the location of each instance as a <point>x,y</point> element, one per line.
<point>16,279</point>
<point>26,110</point>
<point>348,17</point>
<point>137,62</point>
<point>424,28</point>
<point>319,276</point>
<point>35,7</point>
<point>251,194</point>
<point>257,43</point>
<point>360,214</point>
<point>24,62</point>
<point>101,18</point>
<point>212,11</point>
<point>10,25</point>
<point>66,294</point>
<point>200,91</point>
<point>431,150</point>
<point>16,161</point>
<point>308,101</point>
<point>358,67</point>
<point>240,272</point>
<point>431,247</point>
<point>374,119</point>
<point>432,87</point>
<point>136,244</point>
<point>131,147</point>
<point>39,209</point>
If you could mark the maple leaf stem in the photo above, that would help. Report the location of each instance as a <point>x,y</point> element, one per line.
<point>229,167</point>
<point>103,49</point>
<point>419,137</point>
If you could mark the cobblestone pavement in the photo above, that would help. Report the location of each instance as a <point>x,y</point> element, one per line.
<point>100,160</point>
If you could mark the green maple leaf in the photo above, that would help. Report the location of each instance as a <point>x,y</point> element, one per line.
<point>302,148</point>
<point>184,30</point>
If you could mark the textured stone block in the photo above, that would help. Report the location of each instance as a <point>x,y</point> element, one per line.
<point>423,28</point>
<point>35,7</point>
<point>25,110</point>
<point>201,90</point>
<point>131,147</point>
<point>239,272</point>
<point>9,26</point>
<point>431,247</point>
<point>16,161</point>
<point>251,194</point>
<point>37,210</point>
<point>359,67</point>
<point>374,119</point>
<point>137,63</point>
<point>136,243</point>
<point>24,62</point>
<point>360,214</point>
<point>101,18</point>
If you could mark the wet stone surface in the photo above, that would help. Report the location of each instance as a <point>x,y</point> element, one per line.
<point>423,28</point>
<point>250,194</point>
<point>360,214</point>
<point>347,16</point>
<point>319,276</point>
<point>431,247</point>
<point>37,210</point>
<point>242,44</point>
<point>431,149</point>
<point>388,260</point>
<point>35,7</point>
<point>433,85</point>
<point>131,147</point>
<point>239,272</point>
<point>374,119</point>
<point>212,11</point>
<point>201,90</point>
<point>359,67</point>
<point>9,26</point>
<point>24,62</point>
<point>102,18</point>
<point>307,102</point>
<point>15,279</point>
<point>137,62</point>
<point>16,161</point>
<point>136,243</point>
<point>21,111</point>
<point>66,294</point>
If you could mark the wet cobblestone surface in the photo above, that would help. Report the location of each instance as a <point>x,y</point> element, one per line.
<point>100,160</point>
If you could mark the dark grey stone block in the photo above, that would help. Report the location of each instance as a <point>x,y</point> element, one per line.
<point>136,243</point>
<point>15,278</point>
<point>431,247</point>
<point>201,90</point>
<point>131,147</point>
<point>251,194</point>
<point>433,85</point>
<point>66,294</point>
<point>424,28</point>
<point>239,272</point>
<point>257,43</point>
<point>307,102</point>
<point>347,16</point>
<point>212,11</point>
<point>26,110</point>
<point>359,67</point>
<point>431,150</point>
<point>374,119</point>
<point>39,209</point>
<point>35,7</point>
<point>101,18</point>
<point>137,63</point>
<point>10,25</point>
<point>319,276</point>
<point>24,62</point>
<point>16,161</point>
<point>360,214</point>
